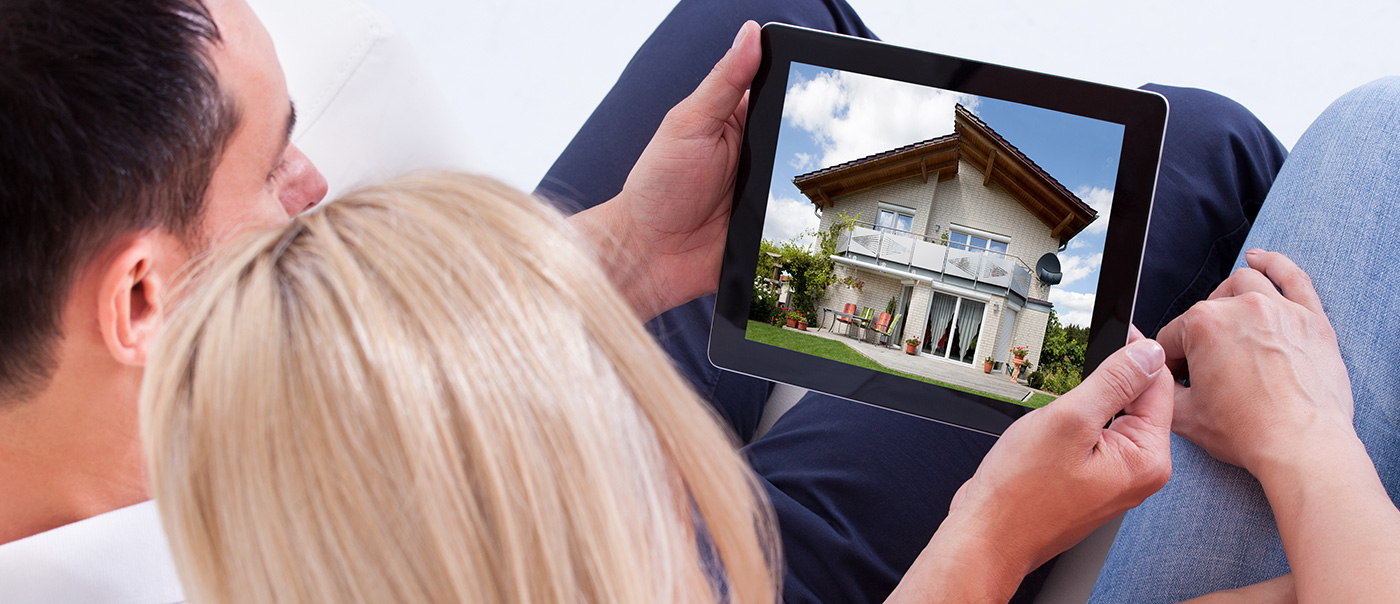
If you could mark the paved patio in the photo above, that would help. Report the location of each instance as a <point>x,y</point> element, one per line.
<point>948,372</point>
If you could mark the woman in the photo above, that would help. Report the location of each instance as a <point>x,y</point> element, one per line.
<point>428,392</point>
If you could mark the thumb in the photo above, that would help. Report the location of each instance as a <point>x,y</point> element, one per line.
<point>1124,376</point>
<point>722,90</point>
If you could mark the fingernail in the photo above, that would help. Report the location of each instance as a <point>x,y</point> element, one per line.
<point>739,37</point>
<point>1253,252</point>
<point>1148,355</point>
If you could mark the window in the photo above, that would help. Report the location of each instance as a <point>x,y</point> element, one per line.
<point>895,222</point>
<point>959,240</point>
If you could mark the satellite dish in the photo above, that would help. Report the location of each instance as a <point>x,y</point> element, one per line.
<point>1048,269</point>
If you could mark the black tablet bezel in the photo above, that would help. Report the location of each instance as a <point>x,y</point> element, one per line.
<point>1143,115</point>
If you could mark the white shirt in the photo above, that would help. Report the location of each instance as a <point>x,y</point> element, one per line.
<point>120,557</point>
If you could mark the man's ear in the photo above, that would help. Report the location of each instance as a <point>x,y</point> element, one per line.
<point>131,298</point>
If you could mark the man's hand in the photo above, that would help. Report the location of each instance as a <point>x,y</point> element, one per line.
<point>1056,475</point>
<point>1270,393</point>
<point>661,238</point>
<point>1264,366</point>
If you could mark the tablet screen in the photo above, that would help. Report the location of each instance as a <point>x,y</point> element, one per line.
<point>934,235</point>
<point>908,218</point>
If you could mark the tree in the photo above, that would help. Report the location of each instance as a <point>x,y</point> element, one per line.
<point>1062,355</point>
<point>809,268</point>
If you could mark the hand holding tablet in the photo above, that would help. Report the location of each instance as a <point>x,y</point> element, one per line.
<point>993,217</point>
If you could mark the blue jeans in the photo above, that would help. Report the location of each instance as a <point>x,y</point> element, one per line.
<point>858,490</point>
<point>1334,209</point>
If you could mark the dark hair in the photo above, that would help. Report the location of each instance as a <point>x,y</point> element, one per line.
<point>111,122</point>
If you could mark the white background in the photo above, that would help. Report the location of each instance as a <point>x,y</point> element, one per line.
<point>523,76</point>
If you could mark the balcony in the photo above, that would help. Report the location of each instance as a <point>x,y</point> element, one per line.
<point>991,272</point>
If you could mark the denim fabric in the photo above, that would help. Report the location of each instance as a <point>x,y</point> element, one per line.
<point>1333,209</point>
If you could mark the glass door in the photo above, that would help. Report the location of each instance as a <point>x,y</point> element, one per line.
<point>953,327</point>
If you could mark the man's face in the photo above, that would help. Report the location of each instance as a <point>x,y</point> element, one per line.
<point>262,179</point>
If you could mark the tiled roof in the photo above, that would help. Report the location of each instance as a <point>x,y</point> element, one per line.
<point>870,158</point>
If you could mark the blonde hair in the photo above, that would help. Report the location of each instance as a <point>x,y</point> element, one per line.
<point>428,391</point>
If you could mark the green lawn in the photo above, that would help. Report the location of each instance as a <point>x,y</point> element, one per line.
<point>838,351</point>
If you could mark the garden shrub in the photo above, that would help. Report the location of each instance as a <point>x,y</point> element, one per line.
<point>1036,379</point>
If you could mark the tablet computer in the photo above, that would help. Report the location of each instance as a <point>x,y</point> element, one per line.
<point>934,235</point>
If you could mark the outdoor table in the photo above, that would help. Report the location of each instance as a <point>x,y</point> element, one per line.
<point>833,321</point>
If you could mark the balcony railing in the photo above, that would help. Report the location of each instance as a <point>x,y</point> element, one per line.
<point>896,248</point>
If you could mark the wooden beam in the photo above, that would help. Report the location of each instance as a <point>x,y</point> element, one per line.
<point>991,162</point>
<point>923,167</point>
<point>826,201</point>
<point>1063,225</point>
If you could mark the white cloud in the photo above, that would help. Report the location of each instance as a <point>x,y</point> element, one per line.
<point>1102,201</point>
<point>1073,308</point>
<point>788,217</point>
<point>1078,244</point>
<point>1075,268</point>
<point>803,162</point>
<point>851,116</point>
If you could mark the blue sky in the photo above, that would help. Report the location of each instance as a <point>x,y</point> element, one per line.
<point>830,117</point>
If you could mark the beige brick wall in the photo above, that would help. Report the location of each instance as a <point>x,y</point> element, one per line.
<point>865,205</point>
<point>876,293</point>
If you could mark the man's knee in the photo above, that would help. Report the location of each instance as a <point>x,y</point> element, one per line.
<point>1206,118</point>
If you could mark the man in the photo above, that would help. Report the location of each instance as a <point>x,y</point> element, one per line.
<point>135,134</point>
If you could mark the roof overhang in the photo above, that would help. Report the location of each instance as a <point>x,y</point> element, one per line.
<point>934,158</point>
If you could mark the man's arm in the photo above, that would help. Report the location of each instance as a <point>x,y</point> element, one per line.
<point>661,238</point>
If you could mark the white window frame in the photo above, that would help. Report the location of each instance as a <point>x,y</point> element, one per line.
<point>898,211</point>
<point>990,237</point>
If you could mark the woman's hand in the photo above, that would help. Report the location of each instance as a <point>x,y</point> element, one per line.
<point>662,237</point>
<point>1056,474</point>
<point>1266,375</point>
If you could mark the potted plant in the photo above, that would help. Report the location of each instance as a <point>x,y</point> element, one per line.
<point>792,319</point>
<point>987,365</point>
<point>801,322</point>
<point>911,346</point>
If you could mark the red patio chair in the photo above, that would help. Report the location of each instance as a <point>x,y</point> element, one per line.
<point>849,309</point>
<point>882,324</point>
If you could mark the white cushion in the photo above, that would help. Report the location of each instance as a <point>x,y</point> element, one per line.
<point>366,107</point>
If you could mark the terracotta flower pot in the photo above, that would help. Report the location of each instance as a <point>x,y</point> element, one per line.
<point>987,367</point>
<point>909,348</point>
<point>791,322</point>
<point>802,326</point>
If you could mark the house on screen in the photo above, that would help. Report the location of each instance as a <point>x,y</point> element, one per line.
<point>951,229</point>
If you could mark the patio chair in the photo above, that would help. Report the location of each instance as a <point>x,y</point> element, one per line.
<point>885,325</point>
<point>866,316</point>
<point>849,309</point>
